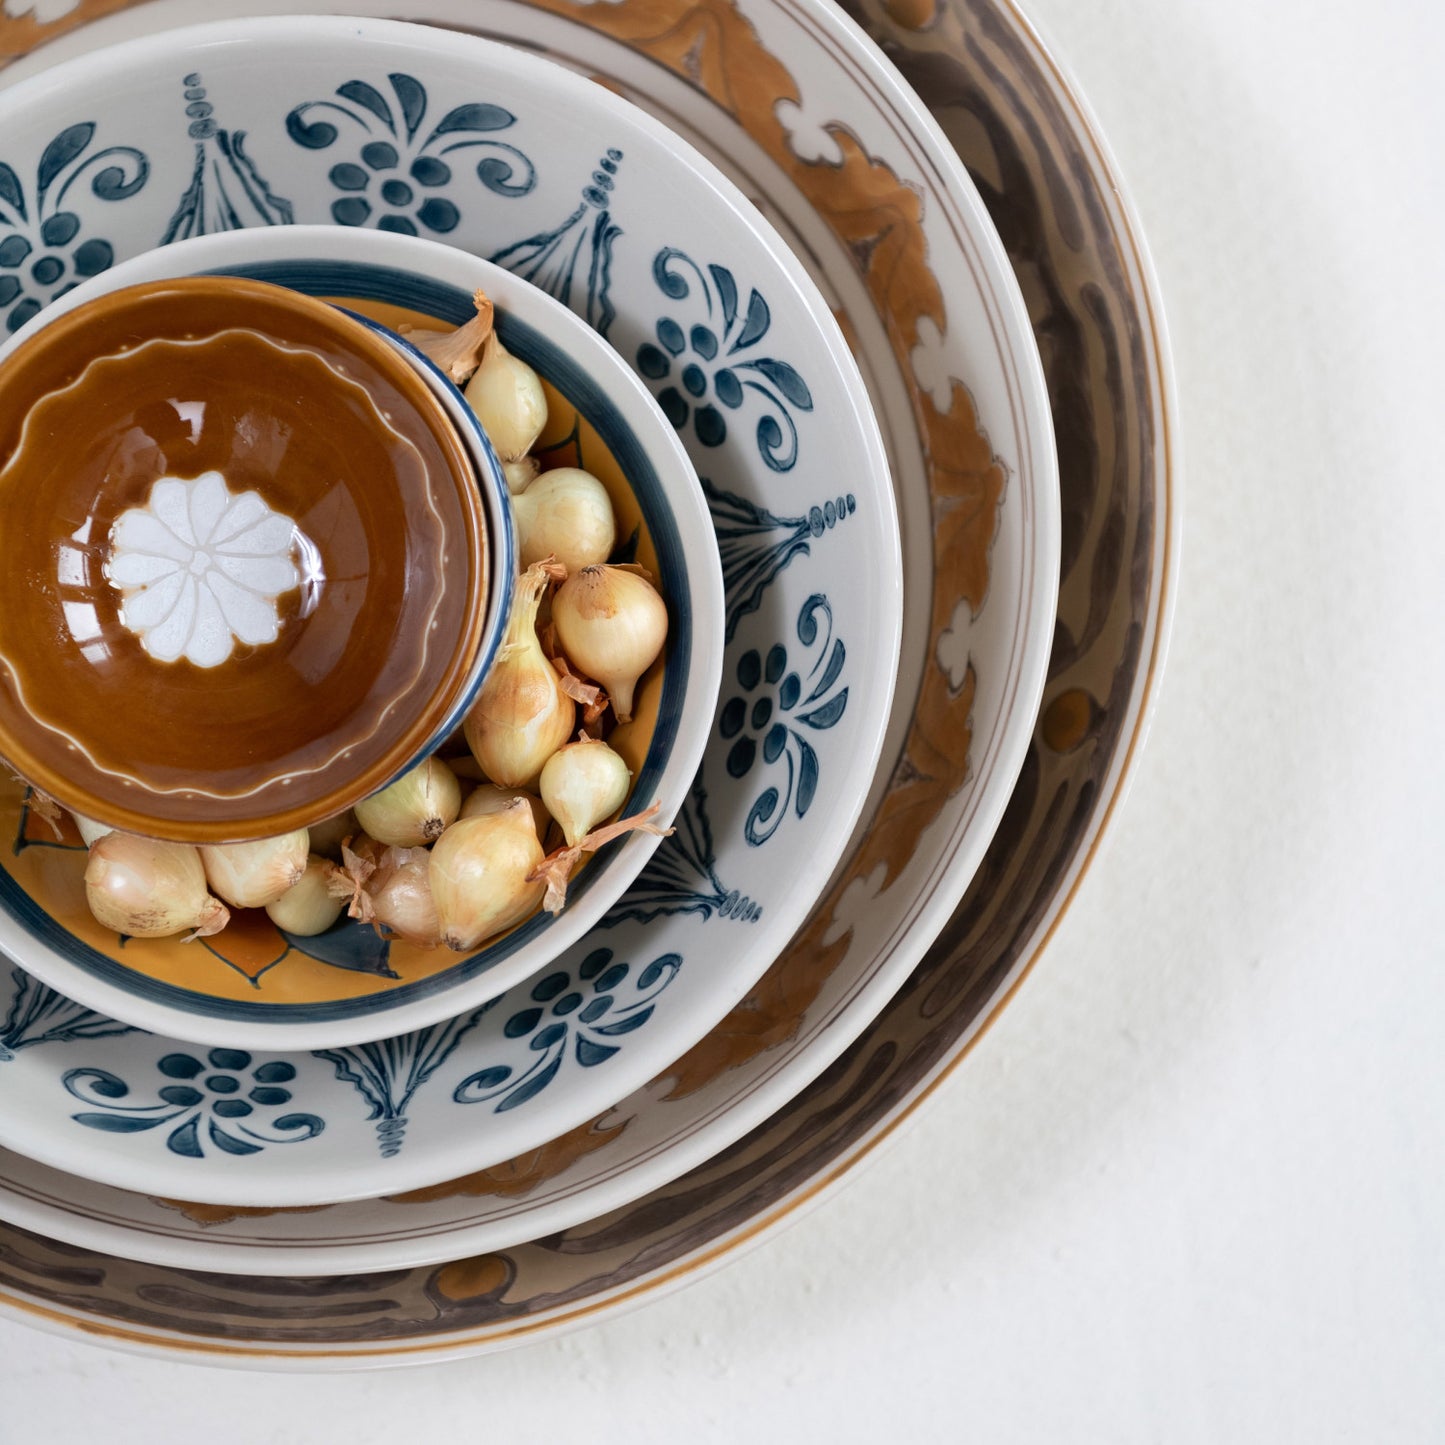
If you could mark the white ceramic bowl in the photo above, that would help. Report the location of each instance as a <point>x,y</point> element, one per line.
<point>179,988</point>
<point>677,269</point>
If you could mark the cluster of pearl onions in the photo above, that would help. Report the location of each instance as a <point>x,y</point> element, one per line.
<point>488,869</point>
<point>148,888</point>
<point>610,621</point>
<point>564,513</point>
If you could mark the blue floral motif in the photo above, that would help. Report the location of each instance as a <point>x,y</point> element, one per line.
<point>218,1092</point>
<point>47,252</point>
<point>387,1074</point>
<point>601,1003</point>
<point>579,250</point>
<point>356,947</point>
<point>396,178</point>
<point>39,1015</point>
<point>681,876</point>
<point>712,364</point>
<point>755,545</point>
<point>765,715</point>
<point>227,192</point>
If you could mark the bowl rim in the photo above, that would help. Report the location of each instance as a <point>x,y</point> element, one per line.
<point>468,427</point>
<point>468,657</point>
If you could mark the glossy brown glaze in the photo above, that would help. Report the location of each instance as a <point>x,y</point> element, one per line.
<point>370,550</point>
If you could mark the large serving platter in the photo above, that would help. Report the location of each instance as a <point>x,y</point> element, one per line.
<point>678,273</point>
<point>1059,205</point>
<point>976,655</point>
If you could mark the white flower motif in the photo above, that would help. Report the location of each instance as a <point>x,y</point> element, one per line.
<point>201,569</point>
<point>855,907</point>
<point>808,135</point>
<point>952,650</point>
<point>931,363</point>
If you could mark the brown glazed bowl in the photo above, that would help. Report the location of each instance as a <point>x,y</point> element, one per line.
<point>247,561</point>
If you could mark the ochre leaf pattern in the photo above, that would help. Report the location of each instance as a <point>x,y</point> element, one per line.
<point>519,1176</point>
<point>770,1015</point>
<point>20,35</point>
<point>63,833</point>
<point>250,942</point>
<point>209,1215</point>
<point>880,220</point>
<point>475,1278</point>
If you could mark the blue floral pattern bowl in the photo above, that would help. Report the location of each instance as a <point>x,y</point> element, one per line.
<point>399,128</point>
<point>348,985</point>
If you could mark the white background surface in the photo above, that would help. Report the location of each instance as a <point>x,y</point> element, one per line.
<point>1191,1187</point>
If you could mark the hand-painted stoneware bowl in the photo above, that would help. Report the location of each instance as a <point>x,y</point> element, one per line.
<point>252,985</point>
<point>248,578</point>
<point>696,293</point>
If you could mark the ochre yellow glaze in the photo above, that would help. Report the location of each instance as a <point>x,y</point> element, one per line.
<point>913,14</point>
<point>473,1278</point>
<point>1068,719</point>
<point>516,1178</point>
<point>210,1215</point>
<point>21,35</point>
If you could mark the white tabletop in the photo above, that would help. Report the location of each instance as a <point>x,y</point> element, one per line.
<point>1192,1186</point>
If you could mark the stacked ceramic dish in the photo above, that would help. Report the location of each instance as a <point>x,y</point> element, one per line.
<point>775,971</point>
